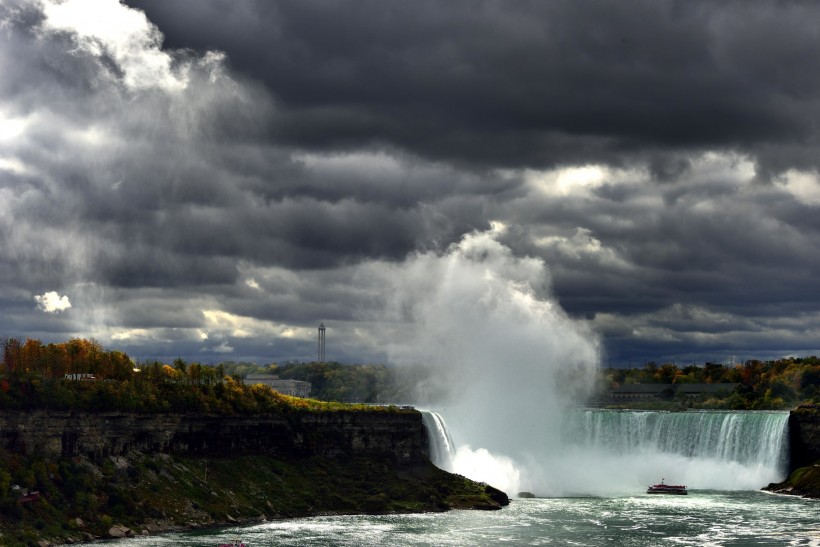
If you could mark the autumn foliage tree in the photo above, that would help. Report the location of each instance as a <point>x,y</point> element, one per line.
<point>77,356</point>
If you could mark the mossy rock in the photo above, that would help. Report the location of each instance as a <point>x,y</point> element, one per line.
<point>804,481</point>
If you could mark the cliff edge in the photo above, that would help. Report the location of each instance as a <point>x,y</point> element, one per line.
<point>82,476</point>
<point>395,434</point>
<point>804,446</point>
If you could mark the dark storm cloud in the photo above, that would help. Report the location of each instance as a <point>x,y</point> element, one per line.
<point>722,262</point>
<point>149,201</point>
<point>523,83</point>
<point>266,166</point>
<point>171,178</point>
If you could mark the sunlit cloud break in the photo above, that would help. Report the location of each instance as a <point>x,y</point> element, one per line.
<point>123,35</point>
<point>52,302</point>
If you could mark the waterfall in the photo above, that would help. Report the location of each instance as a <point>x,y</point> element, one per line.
<point>442,449</point>
<point>710,449</point>
<point>600,452</point>
<point>741,437</point>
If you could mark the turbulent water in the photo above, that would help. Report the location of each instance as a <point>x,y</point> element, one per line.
<point>702,518</point>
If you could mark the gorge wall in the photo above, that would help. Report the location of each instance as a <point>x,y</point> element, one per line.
<point>399,436</point>
<point>804,436</point>
<point>126,473</point>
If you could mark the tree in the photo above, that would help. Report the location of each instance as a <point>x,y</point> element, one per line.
<point>180,365</point>
<point>11,355</point>
<point>667,373</point>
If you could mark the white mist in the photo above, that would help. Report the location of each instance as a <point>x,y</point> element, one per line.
<point>508,366</point>
<point>506,358</point>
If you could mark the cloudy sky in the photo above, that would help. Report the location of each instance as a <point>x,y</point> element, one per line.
<point>211,178</point>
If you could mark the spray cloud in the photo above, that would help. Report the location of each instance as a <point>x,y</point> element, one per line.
<point>505,357</point>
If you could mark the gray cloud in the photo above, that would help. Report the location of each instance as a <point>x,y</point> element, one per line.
<point>529,83</point>
<point>241,171</point>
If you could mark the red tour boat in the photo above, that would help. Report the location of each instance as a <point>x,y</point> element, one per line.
<point>663,488</point>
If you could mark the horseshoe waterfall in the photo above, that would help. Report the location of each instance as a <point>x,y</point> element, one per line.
<point>599,452</point>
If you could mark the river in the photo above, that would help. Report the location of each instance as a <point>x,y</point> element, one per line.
<point>703,518</point>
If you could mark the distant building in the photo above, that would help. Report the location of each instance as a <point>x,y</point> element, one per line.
<point>80,377</point>
<point>294,388</point>
<point>655,391</point>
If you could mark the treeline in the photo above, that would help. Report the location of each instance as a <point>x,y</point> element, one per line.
<point>33,375</point>
<point>76,356</point>
<point>352,383</point>
<point>776,384</point>
<point>332,381</point>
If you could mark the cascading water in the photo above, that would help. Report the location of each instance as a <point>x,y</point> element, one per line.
<point>479,464</point>
<point>617,451</point>
<point>614,451</point>
<point>442,449</point>
<point>746,438</point>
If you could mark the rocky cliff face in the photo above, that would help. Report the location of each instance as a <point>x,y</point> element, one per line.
<point>804,445</point>
<point>155,473</point>
<point>804,436</point>
<point>399,436</point>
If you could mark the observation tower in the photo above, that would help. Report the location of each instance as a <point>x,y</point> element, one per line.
<point>321,343</point>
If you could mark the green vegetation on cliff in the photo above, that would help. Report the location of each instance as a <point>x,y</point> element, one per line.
<point>181,386</point>
<point>34,375</point>
<point>804,481</point>
<point>331,381</point>
<point>78,498</point>
<point>81,499</point>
